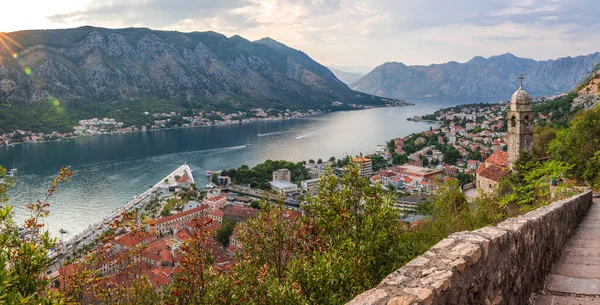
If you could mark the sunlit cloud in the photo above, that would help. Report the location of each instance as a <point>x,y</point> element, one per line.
<point>348,32</point>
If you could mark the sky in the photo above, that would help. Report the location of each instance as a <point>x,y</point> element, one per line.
<point>347,32</point>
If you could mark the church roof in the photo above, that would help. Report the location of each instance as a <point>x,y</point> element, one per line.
<point>499,158</point>
<point>494,173</point>
<point>520,97</point>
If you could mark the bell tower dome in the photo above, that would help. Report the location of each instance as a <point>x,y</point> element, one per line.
<point>520,124</point>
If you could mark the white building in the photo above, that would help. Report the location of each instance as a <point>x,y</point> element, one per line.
<point>310,185</point>
<point>283,186</point>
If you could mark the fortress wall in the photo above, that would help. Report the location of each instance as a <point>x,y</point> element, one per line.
<point>502,264</point>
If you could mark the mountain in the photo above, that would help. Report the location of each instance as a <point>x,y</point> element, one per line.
<point>352,69</point>
<point>493,77</point>
<point>49,77</point>
<point>347,77</point>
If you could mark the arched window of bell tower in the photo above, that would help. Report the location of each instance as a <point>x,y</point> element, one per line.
<point>513,122</point>
<point>526,122</point>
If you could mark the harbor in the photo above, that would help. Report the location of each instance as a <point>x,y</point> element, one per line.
<point>66,247</point>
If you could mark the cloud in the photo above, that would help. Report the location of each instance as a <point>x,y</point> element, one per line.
<point>369,32</point>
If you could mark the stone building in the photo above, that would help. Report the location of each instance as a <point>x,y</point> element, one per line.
<point>520,138</point>
<point>520,124</point>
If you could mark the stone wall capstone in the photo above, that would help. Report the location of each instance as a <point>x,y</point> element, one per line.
<point>495,265</point>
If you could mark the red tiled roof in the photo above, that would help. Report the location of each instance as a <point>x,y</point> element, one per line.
<point>494,173</point>
<point>217,213</point>
<point>238,211</point>
<point>387,174</point>
<point>499,158</point>
<point>178,215</point>
<point>132,239</point>
<point>158,251</point>
<point>216,198</point>
<point>183,235</point>
<point>291,214</point>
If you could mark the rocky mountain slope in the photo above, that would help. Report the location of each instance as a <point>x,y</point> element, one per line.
<point>480,77</point>
<point>588,92</point>
<point>92,71</point>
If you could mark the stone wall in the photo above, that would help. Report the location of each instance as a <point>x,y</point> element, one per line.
<point>503,264</point>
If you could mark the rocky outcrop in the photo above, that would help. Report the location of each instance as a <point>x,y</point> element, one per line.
<point>588,92</point>
<point>503,264</point>
<point>493,77</point>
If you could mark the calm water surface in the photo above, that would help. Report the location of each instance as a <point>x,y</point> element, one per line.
<point>110,170</point>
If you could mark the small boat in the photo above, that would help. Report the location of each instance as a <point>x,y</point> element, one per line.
<point>210,173</point>
<point>12,172</point>
<point>62,231</point>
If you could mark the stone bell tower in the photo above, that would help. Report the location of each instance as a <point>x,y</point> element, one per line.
<point>520,124</point>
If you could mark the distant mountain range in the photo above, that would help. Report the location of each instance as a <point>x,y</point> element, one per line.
<point>346,77</point>
<point>480,77</point>
<point>91,71</point>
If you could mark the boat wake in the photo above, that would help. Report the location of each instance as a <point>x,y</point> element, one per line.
<point>274,133</point>
<point>390,113</point>
<point>303,136</point>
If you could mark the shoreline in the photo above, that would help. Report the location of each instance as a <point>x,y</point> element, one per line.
<point>190,127</point>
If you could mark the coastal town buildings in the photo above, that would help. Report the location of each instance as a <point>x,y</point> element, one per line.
<point>215,202</point>
<point>311,186</point>
<point>283,186</point>
<point>167,225</point>
<point>282,174</point>
<point>366,166</point>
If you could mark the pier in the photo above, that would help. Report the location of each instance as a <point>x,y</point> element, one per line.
<point>94,230</point>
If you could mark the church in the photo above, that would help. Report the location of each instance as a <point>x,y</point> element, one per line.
<point>520,137</point>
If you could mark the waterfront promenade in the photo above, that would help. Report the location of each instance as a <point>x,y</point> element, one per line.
<point>87,236</point>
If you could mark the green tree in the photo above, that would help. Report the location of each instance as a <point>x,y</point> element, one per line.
<point>399,159</point>
<point>224,231</point>
<point>542,136</point>
<point>464,178</point>
<point>255,205</point>
<point>451,155</point>
<point>214,179</point>
<point>475,154</point>
<point>578,144</point>
<point>378,162</point>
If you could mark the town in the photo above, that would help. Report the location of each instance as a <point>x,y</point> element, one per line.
<point>174,119</point>
<point>174,209</point>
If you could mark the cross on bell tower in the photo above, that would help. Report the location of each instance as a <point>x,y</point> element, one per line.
<point>521,78</point>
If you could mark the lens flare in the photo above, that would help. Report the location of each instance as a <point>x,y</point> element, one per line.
<point>27,70</point>
<point>15,55</point>
<point>53,101</point>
